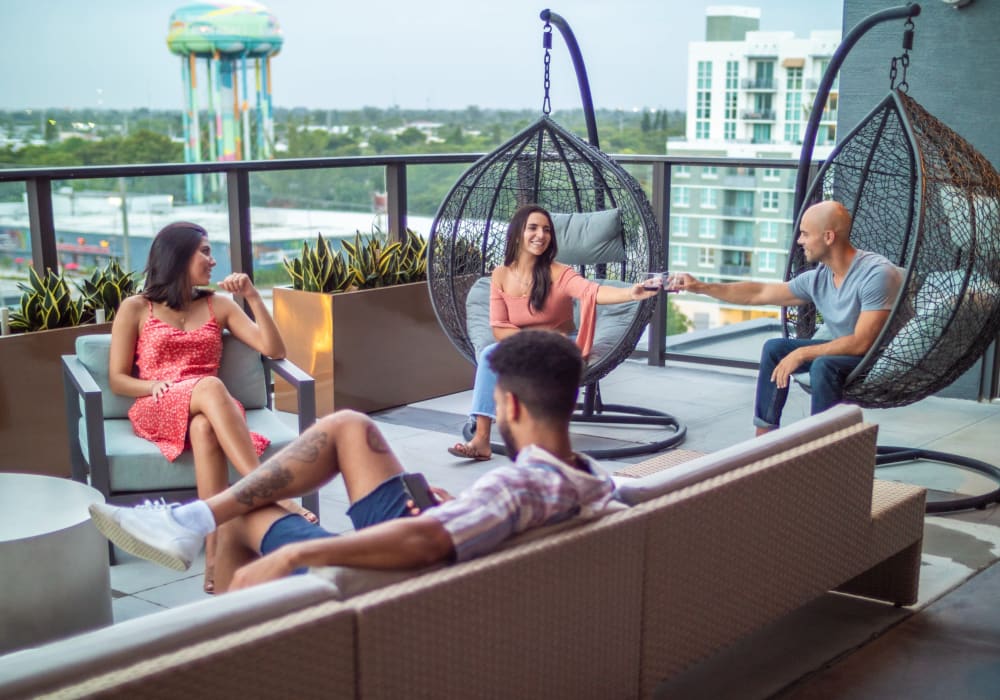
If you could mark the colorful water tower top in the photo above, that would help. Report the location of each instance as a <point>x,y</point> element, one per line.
<point>231,28</point>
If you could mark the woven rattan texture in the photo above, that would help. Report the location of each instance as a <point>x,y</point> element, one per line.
<point>552,167</point>
<point>926,199</point>
<point>759,541</point>
<point>659,463</point>
<point>555,618</point>
<point>261,661</point>
<point>897,520</point>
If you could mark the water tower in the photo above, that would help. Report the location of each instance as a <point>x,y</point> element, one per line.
<point>234,40</point>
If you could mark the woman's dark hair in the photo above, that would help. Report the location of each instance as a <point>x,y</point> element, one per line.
<point>541,275</point>
<point>167,278</point>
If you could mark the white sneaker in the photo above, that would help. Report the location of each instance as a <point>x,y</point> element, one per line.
<point>148,531</point>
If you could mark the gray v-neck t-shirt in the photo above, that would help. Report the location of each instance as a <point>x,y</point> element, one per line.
<point>871,284</point>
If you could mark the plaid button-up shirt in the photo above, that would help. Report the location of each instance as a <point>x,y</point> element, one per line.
<point>538,489</point>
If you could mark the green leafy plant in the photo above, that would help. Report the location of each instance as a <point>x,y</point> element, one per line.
<point>46,303</point>
<point>413,258</point>
<point>318,269</point>
<point>105,290</point>
<point>369,261</point>
<point>372,261</point>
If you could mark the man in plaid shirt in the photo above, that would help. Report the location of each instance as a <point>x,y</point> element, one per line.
<point>538,375</point>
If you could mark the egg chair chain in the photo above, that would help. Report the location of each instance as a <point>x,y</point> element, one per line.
<point>903,60</point>
<point>547,45</point>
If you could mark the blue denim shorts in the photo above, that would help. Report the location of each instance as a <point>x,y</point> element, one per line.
<point>386,502</point>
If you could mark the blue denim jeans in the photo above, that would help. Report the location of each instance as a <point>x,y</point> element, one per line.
<point>482,389</point>
<point>826,377</point>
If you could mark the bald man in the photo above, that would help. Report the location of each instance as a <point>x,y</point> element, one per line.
<point>852,289</point>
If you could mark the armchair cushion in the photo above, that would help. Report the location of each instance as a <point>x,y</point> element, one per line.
<point>94,352</point>
<point>137,465</point>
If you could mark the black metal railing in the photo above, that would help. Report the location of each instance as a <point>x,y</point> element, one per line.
<point>44,254</point>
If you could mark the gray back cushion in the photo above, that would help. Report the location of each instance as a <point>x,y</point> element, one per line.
<point>241,371</point>
<point>590,238</point>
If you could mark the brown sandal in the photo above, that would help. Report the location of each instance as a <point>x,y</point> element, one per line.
<point>465,450</point>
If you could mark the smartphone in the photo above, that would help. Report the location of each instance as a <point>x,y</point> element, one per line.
<point>419,492</point>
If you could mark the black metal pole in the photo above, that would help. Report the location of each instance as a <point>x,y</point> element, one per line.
<point>823,91</point>
<point>581,72</point>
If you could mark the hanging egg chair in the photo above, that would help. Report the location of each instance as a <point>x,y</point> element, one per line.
<point>605,227</point>
<point>923,197</point>
<point>926,199</point>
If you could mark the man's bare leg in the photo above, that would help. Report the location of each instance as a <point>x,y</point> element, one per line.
<point>346,443</point>
<point>239,542</point>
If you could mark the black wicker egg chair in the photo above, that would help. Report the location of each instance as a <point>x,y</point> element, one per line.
<point>548,165</point>
<point>924,198</point>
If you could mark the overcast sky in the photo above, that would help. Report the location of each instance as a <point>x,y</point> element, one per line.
<point>445,54</point>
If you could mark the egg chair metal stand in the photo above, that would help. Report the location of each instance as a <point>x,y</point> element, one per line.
<point>927,200</point>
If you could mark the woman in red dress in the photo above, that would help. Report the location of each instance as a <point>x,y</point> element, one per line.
<point>172,332</point>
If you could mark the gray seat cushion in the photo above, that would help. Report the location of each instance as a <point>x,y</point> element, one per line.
<point>136,464</point>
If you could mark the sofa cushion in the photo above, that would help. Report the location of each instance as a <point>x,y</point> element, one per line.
<point>633,491</point>
<point>589,238</point>
<point>136,464</point>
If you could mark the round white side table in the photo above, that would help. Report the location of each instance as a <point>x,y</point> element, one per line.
<point>54,578</point>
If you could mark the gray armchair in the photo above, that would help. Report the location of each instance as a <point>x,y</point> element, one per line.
<point>127,468</point>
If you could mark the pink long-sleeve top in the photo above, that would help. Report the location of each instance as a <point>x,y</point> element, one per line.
<point>507,311</point>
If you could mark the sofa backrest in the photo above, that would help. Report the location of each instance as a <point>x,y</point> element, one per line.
<point>31,672</point>
<point>633,491</point>
<point>731,552</point>
<point>241,370</point>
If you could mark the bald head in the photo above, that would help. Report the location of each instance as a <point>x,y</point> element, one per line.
<point>825,232</point>
<point>831,216</point>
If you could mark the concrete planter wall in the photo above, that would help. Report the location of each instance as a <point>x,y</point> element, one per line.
<point>32,408</point>
<point>368,350</point>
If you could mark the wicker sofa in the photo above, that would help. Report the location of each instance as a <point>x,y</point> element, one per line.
<point>709,550</point>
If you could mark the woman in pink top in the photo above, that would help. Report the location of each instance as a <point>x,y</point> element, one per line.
<point>172,332</point>
<point>531,290</point>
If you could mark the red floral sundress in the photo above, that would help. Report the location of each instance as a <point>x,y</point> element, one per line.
<point>165,353</point>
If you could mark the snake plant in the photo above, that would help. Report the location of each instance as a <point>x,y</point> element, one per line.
<point>46,303</point>
<point>106,289</point>
<point>318,269</point>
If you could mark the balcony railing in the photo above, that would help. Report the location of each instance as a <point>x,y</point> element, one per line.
<point>748,181</point>
<point>734,210</point>
<point>766,115</point>
<point>737,240</point>
<point>764,84</point>
<point>653,171</point>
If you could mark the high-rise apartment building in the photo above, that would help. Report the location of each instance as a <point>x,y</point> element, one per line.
<point>749,96</point>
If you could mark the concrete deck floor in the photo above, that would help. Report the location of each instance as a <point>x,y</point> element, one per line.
<point>948,645</point>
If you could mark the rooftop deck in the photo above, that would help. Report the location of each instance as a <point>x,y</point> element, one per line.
<point>836,647</point>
